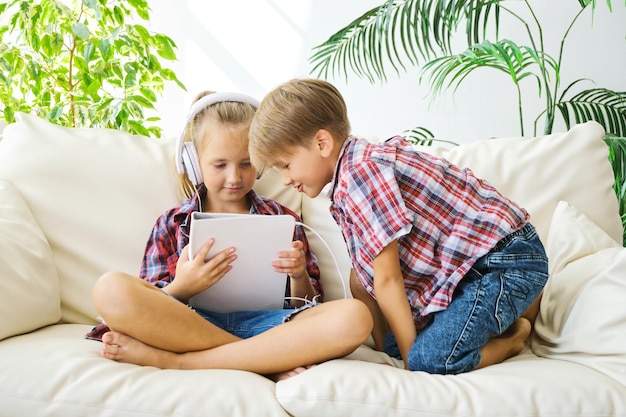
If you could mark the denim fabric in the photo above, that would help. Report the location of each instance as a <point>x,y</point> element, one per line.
<point>497,290</point>
<point>245,324</point>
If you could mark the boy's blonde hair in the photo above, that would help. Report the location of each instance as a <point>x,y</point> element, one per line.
<point>291,114</point>
<point>232,114</point>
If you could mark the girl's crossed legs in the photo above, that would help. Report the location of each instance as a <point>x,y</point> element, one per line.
<point>151,328</point>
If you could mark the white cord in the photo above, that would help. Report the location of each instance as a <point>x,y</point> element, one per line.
<point>304,300</point>
<point>343,284</point>
<point>199,200</point>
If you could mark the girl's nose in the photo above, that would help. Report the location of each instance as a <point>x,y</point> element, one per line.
<point>234,174</point>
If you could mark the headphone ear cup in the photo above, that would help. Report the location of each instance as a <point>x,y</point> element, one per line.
<point>191,163</point>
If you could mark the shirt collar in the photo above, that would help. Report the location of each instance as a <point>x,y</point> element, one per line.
<point>344,149</point>
<point>193,204</point>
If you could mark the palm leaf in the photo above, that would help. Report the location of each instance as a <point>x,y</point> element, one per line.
<point>422,136</point>
<point>516,61</point>
<point>617,157</point>
<point>605,106</point>
<point>400,30</point>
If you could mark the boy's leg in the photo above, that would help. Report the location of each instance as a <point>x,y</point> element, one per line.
<point>483,325</point>
<point>135,307</point>
<point>329,330</point>
<point>381,328</point>
<point>531,312</point>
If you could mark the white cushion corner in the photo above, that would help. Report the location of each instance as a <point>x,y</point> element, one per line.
<point>29,285</point>
<point>582,312</point>
<point>572,235</point>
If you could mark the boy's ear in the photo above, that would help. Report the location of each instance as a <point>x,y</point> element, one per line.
<point>325,142</point>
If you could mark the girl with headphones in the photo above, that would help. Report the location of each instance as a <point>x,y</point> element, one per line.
<point>148,321</point>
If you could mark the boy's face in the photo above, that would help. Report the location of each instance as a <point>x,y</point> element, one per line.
<point>307,168</point>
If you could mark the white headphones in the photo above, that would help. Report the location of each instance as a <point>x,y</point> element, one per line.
<point>186,155</point>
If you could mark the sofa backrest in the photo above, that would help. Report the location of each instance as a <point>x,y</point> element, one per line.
<point>535,172</point>
<point>94,194</point>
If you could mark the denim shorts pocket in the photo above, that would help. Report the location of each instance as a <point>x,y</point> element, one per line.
<point>520,287</point>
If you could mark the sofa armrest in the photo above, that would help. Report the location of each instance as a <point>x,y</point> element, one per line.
<point>29,285</point>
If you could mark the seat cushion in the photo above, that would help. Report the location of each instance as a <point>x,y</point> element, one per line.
<point>55,372</point>
<point>524,386</point>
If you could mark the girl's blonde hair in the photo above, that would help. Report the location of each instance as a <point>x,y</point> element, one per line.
<point>291,114</point>
<point>233,114</point>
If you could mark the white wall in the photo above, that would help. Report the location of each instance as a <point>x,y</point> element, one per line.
<point>253,45</point>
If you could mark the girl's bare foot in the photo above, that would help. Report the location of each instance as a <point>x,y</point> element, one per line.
<point>122,348</point>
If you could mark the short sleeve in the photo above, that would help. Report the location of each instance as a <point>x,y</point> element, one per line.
<point>375,207</point>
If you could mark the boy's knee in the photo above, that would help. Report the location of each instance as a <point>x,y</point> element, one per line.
<point>438,362</point>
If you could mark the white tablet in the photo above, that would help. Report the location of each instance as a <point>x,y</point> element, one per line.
<point>252,284</point>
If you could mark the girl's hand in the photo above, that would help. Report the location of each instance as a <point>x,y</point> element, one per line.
<point>196,275</point>
<point>292,262</point>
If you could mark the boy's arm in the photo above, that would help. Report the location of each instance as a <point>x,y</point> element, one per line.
<point>391,297</point>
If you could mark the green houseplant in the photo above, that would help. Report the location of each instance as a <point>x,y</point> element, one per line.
<point>400,34</point>
<point>83,63</point>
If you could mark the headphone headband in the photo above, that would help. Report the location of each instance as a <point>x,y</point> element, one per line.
<point>202,104</point>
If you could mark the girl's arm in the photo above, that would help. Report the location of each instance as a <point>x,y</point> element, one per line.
<point>294,263</point>
<point>196,275</point>
<point>391,297</point>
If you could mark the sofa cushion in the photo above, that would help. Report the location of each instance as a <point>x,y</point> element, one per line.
<point>55,372</point>
<point>29,285</point>
<point>583,310</point>
<point>524,386</point>
<point>539,172</point>
<point>95,193</point>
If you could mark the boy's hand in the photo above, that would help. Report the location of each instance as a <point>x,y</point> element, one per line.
<point>292,262</point>
<point>195,275</point>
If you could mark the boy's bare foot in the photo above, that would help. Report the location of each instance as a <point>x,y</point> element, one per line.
<point>288,374</point>
<point>507,345</point>
<point>122,348</point>
<point>519,329</point>
<point>516,335</point>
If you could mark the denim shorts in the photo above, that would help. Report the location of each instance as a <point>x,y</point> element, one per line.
<point>245,324</point>
<point>496,291</point>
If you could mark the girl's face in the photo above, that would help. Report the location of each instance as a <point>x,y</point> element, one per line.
<point>226,169</point>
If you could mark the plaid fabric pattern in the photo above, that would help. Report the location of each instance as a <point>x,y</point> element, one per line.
<point>443,217</point>
<point>170,235</point>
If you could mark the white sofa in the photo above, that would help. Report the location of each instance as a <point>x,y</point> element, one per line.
<point>75,203</point>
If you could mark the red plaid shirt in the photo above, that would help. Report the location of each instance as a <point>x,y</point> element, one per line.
<point>170,235</point>
<point>443,217</point>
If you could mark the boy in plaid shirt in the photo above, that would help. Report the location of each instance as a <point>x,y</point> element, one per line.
<point>451,269</point>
